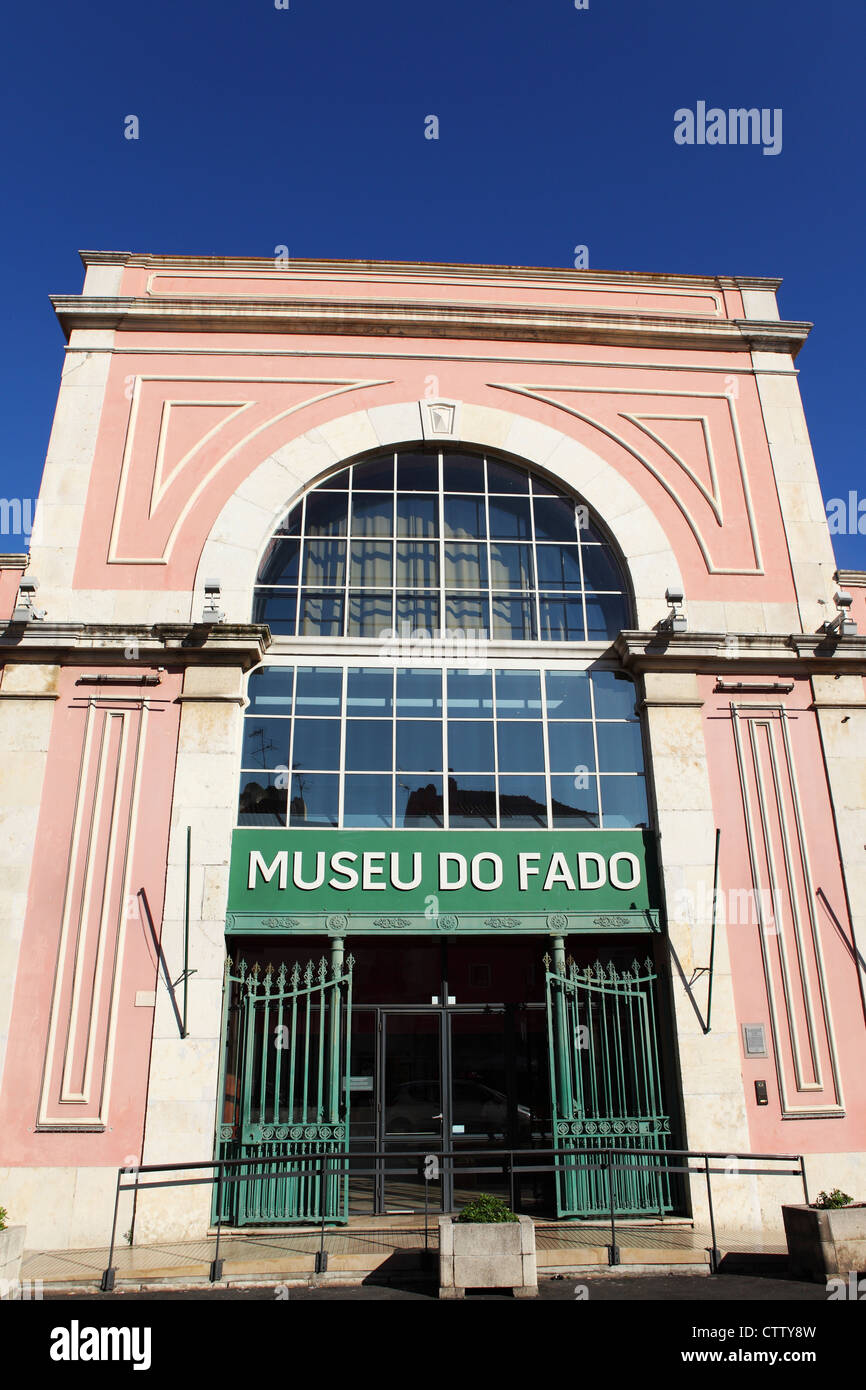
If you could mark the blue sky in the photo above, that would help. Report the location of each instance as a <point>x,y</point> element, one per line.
<point>304,127</point>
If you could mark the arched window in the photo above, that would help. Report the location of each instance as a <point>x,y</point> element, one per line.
<point>433,540</point>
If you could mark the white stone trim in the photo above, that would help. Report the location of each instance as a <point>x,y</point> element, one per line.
<point>245,526</point>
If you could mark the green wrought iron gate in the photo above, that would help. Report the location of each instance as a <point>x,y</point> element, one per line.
<point>285,1090</point>
<point>606,1090</point>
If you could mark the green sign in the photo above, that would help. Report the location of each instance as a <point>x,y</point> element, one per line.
<point>345,881</point>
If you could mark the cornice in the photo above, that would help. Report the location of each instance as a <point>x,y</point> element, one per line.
<point>426,269</point>
<point>409,318</point>
<point>851,579</point>
<point>175,644</point>
<point>14,562</point>
<point>713,653</point>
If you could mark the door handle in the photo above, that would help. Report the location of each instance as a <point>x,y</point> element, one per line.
<point>436,1117</point>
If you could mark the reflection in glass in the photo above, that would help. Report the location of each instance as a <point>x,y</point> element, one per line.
<point>369,690</point>
<point>370,614</point>
<point>518,695</point>
<point>470,746</point>
<point>419,745</point>
<point>571,747</point>
<point>470,693</point>
<point>314,799</point>
<point>568,695</point>
<point>574,807</point>
<point>263,799</point>
<point>367,799</point>
<point>471,800</point>
<point>520,746</point>
<point>316,744</point>
<point>522,802</point>
<point>623,802</point>
<point>419,801</point>
<point>368,745</point>
<point>266,742</point>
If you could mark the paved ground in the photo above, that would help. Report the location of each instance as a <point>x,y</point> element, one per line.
<point>678,1288</point>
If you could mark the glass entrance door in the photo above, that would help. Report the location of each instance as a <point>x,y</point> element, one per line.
<point>412,1110</point>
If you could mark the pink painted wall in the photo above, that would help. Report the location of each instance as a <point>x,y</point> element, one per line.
<point>838,1012</point>
<point>9,582</point>
<point>38,1064</point>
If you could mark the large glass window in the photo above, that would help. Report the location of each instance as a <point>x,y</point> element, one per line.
<point>382,746</point>
<point>440,539</point>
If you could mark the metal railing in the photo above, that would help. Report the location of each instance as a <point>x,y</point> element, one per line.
<point>222,1174</point>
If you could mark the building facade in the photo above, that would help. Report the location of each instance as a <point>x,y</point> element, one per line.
<point>434,731</point>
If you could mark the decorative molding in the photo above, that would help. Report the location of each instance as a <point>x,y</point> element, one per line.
<point>409,318</point>
<point>539,393</point>
<point>796,971</point>
<point>158,486</point>
<point>90,951</point>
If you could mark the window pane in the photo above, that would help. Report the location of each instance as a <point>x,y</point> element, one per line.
<point>337,481</point>
<point>521,747</point>
<point>326,514</point>
<point>419,800</point>
<point>369,745</point>
<point>555,519</point>
<point>509,518</point>
<point>419,611</point>
<point>370,614</point>
<point>316,744</point>
<point>417,565</point>
<point>371,565</point>
<point>266,742</point>
<point>513,619</point>
<point>470,745</point>
<point>506,477</point>
<point>419,745</point>
<point>367,799</point>
<point>615,695</point>
<point>418,472</point>
<point>372,514</point>
<point>419,692</point>
<point>270,690</point>
<point>470,693</point>
<point>471,801</point>
<point>522,802</point>
<point>324,564</point>
<point>600,569</point>
<point>277,608</point>
<point>574,807</point>
<point>465,517</point>
<point>571,747</point>
<point>561,620</point>
<point>468,612</point>
<point>619,748</point>
<point>568,695</point>
<point>558,567</point>
<point>321,615</point>
<point>280,565</point>
<point>418,516</point>
<point>314,799</point>
<point>606,615</point>
<point>511,566</point>
<point>369,690</point>
<point>465,566</point>
<point>518,695</point>
<point>623,802</point>
<point>263,799</point>
<point>376,475</point>
<point>319,690</point>
<point>462,473</point>
<point>291,524</point>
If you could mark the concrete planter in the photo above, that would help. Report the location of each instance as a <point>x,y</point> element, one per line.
<point>11,1249</point>
<point>825,1241</point>
<point>487,1255</point>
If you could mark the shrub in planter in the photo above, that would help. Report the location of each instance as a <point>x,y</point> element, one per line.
<point>487,1247</point>
<point>486,1209</point>
<point>826,1238</point>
